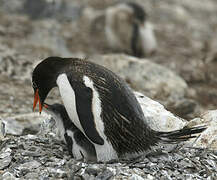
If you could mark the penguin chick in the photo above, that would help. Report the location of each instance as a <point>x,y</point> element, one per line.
<point>127,29</point>
<point>102,106</point>
<point>78,145</point>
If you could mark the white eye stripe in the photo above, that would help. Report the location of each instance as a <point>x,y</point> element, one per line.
<point>104,152</point>
<point>88,82</point>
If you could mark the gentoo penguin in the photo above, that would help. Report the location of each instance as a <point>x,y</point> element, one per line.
<point>102,106</point>
<point>78,145</point>
<point>127,29</point>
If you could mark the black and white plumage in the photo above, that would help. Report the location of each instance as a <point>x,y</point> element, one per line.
<point>127,29</point>
<point>78,145</point>
<point>101,106</point>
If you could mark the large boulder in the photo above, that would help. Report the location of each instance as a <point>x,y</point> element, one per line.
<point>157,117</point>
<point>154,80</point>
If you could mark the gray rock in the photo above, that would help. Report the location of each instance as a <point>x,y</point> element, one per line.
<point>186,108</point>
<point>105,175</point>
<point>2,129</point>
<point>92,170</point>
<point>152,79</point>
<point>8,176</point>
<point>31,175</point>
<point>40,37</point>
<point>135,177</point>
<point>5,157</point>
<point>4,162</point>
<point>42,8</point>
<point>207,139</point>
<point>57,173</point>
<point>24,123</point>
<point>5,152</point>
<point>13,127</point>
<point>157,116</point>
<point>29,165</point>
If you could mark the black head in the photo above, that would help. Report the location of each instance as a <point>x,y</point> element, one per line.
<point>44,78</point>
<point>138,12</point>
<point>58,110</point>
<point>139,19</point>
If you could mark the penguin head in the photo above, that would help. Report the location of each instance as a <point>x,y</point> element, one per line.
<point>44,78</point>
<point>55,110</point>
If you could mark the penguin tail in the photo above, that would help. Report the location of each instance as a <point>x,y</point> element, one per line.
<point>180,135</point>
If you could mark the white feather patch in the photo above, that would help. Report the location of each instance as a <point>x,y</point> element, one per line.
<point>68,96</point>
<point>76,149</point>
<point>96,106</point>
<point>104,152</point>
<point>147,36</point>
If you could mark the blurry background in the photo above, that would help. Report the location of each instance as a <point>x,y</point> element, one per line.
<point>185,31</point>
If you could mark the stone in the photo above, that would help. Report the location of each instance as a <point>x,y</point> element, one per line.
<point>4,163</point>
<point>105,175</point>
<point>5,157</point>
<point>135,177</point>
<point>29,165</point>
<point>57,173</point>
<point>157,117</point>
<point>208,138</point>
<point>2,129</point>
<point>92,170</point>
<point>29,122</point>
<point>9,176</point>
<point>148,77</point>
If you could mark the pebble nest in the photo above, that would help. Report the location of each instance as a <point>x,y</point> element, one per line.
<point>44,157</point>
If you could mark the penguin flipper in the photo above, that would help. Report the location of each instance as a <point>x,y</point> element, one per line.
<point>84,98</point>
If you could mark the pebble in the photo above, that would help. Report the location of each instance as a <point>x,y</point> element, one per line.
<point>135,177</point>
<point>5,162</point>
<point>105,175</point>
<point>8,176</point>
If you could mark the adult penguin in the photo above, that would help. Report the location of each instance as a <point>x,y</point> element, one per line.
<point>102,106</point>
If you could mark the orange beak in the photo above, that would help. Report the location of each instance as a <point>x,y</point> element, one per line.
<point>36,100</point>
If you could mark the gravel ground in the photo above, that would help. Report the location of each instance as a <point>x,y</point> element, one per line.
<point>44,157</point>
